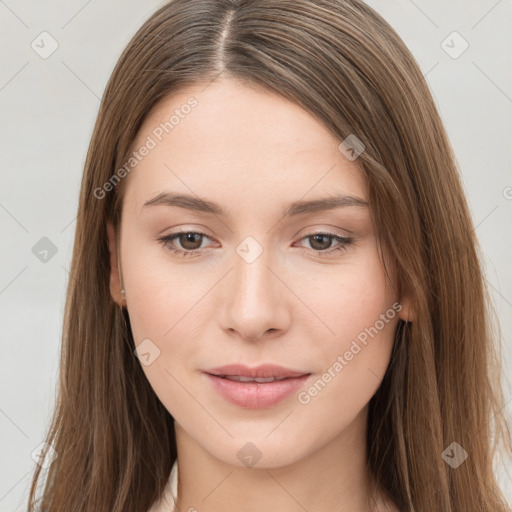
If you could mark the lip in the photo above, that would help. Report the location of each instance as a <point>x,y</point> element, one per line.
<point>255,395</point>
<point>261,371</point>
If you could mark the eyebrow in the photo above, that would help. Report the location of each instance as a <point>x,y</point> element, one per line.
<point>194,203</point>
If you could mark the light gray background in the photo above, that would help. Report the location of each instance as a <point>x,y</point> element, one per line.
<point>47,111</point>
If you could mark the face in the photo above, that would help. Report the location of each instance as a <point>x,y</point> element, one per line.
<point>255,277</point>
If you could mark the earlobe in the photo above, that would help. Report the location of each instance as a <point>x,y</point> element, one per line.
<point>407,313</point>
<point>115,275</point>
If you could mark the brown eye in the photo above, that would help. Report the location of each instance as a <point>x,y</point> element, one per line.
<point>189,242</point>
<point>321,243</point>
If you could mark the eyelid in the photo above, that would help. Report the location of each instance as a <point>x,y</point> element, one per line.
<point>312,230</point>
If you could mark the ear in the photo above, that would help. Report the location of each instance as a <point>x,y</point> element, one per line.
<point>407,313</point>
<point>116,284</point>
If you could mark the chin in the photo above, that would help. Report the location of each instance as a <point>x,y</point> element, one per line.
<point>259,452</point>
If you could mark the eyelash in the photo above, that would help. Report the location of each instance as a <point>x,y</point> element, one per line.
<point>343,241</point>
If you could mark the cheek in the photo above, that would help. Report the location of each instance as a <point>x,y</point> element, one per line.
<point>359,310</point>
<point>164,307</point>
<point>350,299</point>
<point>162,296</point>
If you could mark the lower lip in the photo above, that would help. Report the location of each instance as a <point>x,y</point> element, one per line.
<point>256,395</point>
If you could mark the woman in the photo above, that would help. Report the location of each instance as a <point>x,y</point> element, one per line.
<point>275,279</point>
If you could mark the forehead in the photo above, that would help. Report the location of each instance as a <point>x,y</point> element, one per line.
<point>238,145</point>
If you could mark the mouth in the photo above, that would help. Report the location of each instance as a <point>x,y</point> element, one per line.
<point>240,378</point>
<point>255,388</point>
<point>263,371</point>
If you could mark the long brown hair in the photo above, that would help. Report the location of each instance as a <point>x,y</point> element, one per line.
<point>343,63</point>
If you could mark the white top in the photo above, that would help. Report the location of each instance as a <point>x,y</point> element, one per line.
<point>170,495</point>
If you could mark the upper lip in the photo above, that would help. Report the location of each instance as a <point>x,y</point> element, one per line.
<point>263,371</point>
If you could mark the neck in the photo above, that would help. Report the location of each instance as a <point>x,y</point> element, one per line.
<point>332,477</point>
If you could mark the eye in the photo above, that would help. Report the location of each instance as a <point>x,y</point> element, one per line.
<point>191,242</point>
<point>322,243</point>
<point>188,240</point>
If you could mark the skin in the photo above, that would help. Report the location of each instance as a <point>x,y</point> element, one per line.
<point>254,152</point>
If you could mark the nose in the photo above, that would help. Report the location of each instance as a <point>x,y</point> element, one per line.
<point>254,301</point>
